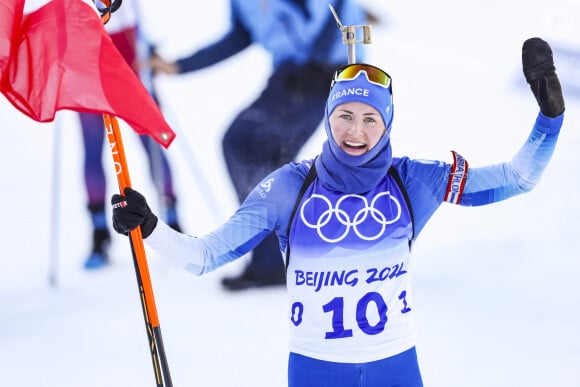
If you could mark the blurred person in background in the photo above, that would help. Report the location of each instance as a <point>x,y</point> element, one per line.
<point>304,42</point>
<point>124,32</point>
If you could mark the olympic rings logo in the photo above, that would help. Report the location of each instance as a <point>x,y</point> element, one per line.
<point>367,212</point>
<point>267,185</point>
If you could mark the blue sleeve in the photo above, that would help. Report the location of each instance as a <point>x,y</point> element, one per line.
<point>498,182</point>
<point>236,40</point>
<point>426,181</point>
<point>267,208</point>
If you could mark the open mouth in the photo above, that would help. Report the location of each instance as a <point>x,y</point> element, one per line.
<point>354,145</point>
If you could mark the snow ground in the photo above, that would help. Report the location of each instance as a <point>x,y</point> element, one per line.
<point>495,288</point>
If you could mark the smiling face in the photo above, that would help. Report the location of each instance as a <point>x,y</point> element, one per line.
<point>356,127</point>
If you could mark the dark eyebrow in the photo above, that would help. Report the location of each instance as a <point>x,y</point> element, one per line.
<point>364,114</point>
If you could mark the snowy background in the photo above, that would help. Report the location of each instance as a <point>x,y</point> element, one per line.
<point>496,288</point>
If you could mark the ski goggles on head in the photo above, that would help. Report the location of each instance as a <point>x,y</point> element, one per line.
<point>374,74</point>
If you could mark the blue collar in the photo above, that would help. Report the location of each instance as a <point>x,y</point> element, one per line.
<point>339,171</point>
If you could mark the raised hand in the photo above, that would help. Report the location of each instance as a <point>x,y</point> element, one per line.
<point>540,73</point>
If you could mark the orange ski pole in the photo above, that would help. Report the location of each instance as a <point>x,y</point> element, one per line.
<point>160,366</point>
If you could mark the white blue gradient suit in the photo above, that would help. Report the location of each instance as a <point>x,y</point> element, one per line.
<point>351,302</point>
<point>346,233</point>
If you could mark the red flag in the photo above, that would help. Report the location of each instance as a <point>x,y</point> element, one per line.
<point>60,57</point>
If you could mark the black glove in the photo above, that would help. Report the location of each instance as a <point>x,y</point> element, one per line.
<point>540,73</point>
<point>130,211</point>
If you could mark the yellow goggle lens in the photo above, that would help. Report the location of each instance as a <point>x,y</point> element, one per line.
<point>374,74</point>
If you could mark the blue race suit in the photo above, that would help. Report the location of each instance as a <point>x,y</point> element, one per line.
<point>351,307</point>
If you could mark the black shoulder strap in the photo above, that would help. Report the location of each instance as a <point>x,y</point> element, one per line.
<point>307,181</point>
<point>395,174</point>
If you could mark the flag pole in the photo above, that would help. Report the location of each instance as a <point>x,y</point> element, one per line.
<point>156,347</point>
<point>54,239</point>
<point>160,365</point>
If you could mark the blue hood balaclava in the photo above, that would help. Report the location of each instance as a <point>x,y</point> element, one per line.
<point>340,171</point>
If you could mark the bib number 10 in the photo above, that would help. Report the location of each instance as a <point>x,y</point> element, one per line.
<point>336,308</point>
